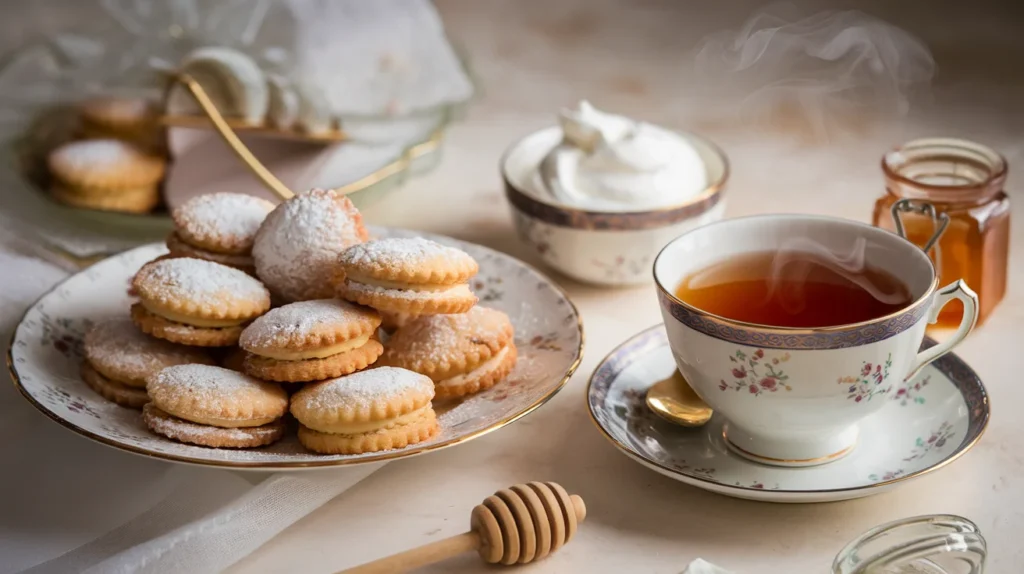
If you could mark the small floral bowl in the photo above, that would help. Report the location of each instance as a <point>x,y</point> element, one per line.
<point>614,248</point>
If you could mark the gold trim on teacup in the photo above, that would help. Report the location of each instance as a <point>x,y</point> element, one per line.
<point>566,216</point>
<point>786,461</point>
<point>262,465</point>
<point>791,338</point>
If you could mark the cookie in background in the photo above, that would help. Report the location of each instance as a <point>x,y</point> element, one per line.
<point>106,174</point>
<point>133,120</point>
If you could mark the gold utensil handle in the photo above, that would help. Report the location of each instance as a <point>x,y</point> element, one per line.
<point>231,139</point>
<point>419,557</point>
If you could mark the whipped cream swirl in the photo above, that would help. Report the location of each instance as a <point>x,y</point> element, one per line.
<point>608,162</point>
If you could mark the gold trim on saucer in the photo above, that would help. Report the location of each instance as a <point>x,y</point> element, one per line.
<point>646,334</point>
<point>384,456</point>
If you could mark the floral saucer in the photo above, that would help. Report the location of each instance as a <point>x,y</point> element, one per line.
<point>46,352</point>
<point>929,422</point>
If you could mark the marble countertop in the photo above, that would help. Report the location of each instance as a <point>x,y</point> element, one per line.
<point>530,58</point>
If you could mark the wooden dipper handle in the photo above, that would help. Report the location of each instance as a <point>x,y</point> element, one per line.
<point>519,524</point>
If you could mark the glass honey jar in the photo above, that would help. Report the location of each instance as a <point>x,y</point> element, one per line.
<point>963,180</point>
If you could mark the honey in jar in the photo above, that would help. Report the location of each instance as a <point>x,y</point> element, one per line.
<point>964,180</point>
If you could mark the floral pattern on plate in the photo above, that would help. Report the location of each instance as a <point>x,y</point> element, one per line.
<point>45,356</point>
<point>896,444</point>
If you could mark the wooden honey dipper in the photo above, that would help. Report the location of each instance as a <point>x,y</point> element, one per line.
<point>519,524</point>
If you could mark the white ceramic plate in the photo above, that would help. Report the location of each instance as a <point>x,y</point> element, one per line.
<point>45,355</point>
<point>928,422</point>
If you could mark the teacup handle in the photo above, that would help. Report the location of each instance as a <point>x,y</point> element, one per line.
<point>955,290</point>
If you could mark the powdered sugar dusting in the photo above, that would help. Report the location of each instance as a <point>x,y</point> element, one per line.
<point>299,320</point>
<point>118,344</point>
<point>95,154</point>
<point>433,338</point>
<point>207,385</point>
<point>398,252</point>
<point>231,216</point>
<point>363,389</point>
<point>297,248</point>
<point>202,282</point>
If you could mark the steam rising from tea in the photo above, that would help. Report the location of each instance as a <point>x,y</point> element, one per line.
<point>803,285</point>
<point>822,73</point>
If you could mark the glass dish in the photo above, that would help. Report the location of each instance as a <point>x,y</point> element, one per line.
<point>935,544</point>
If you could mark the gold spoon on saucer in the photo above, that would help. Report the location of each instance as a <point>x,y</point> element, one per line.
<point>674,400</point>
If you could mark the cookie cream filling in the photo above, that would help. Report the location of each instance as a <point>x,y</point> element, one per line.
<point>408,290</point>
<point>486,367</point>
<point>609,162</point>
<point>193,321</point>
<point>319,353</point>
<point>364,427</point>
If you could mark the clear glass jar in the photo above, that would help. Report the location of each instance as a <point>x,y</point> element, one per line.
<point>965,181</point>
<point>936,544</point>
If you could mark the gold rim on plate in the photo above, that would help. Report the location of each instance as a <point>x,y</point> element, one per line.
<point>363,459</point>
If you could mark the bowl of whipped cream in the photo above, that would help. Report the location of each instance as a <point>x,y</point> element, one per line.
<point>598,195</point>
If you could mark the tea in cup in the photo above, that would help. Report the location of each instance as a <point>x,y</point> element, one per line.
<point>795,328</point>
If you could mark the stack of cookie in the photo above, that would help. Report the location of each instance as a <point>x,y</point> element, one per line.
<point>119,358</point>
<point>311,341</point>
<point>196,302</point>
<point>377,409</point>
<point>215,407</point>
<point>354,389</point>
<point>219,227</point>
<point>422,286</point>
<point>106,174</point>
<point>132,120</point>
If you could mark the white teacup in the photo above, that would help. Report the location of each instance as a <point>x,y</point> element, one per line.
<point>794,397</point>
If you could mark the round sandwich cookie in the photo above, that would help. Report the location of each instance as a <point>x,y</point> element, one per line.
<point>377,409</point>
<point>296,249</point>
<point>104,167</point>
<point>311,341</point>
<point>414,276</point>
<point>223,222</point>
<point>118,355</point>
<point>211,398</point>
<point>196,302</point>
<point>462,354</point>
